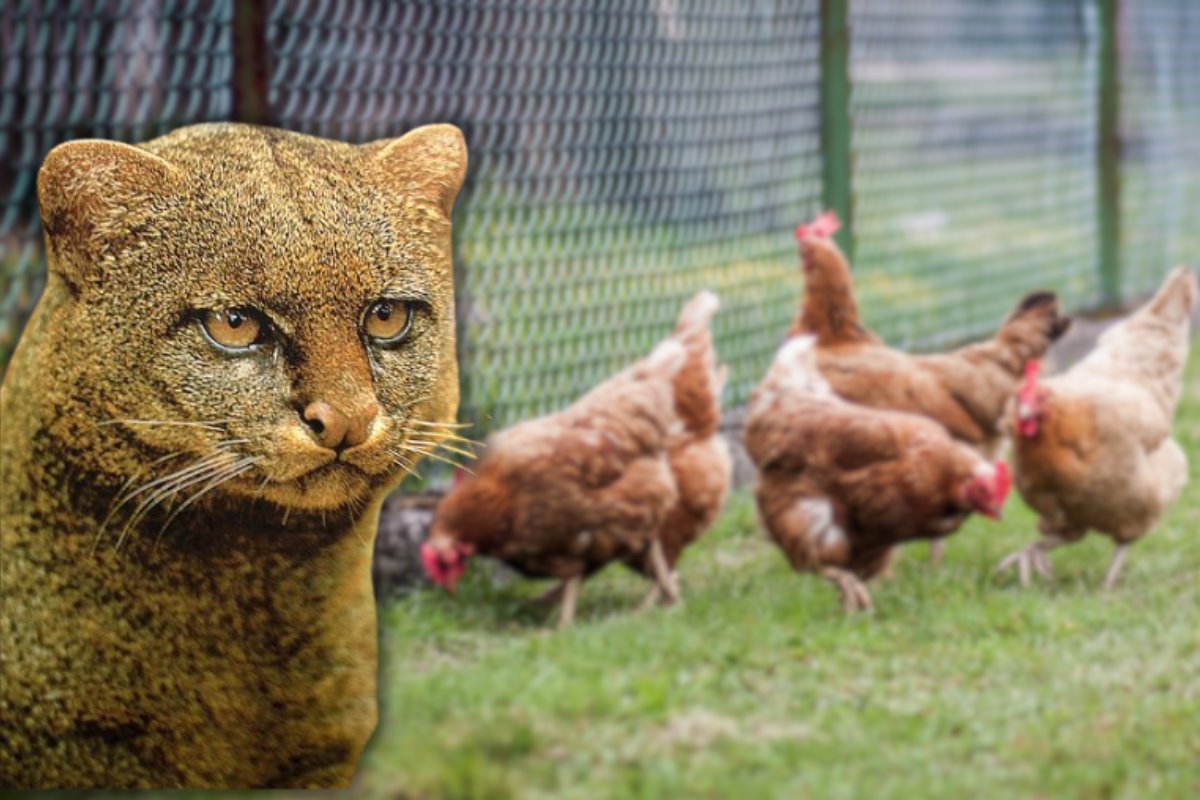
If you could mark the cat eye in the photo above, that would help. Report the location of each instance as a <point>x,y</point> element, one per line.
<point>388,322</point>
<point>234,328</point>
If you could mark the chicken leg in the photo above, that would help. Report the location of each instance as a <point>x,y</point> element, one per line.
<point>570,594</point>
<point>666,581</point>
<point>855,596</point>
<point>1031,559</point>
<point>1114,568</point>
<point>550,597</point>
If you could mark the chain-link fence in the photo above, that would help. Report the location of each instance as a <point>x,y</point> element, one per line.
<point>113,70</point>
<point>1160,121</point>
<point>626,154</point>
<point>975,146</point>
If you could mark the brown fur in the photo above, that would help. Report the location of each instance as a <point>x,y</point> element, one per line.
<point>964,390</point>
<point>233,644</point>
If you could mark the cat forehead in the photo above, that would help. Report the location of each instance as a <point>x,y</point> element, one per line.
<point>322,252</point>
<point>299,219</point>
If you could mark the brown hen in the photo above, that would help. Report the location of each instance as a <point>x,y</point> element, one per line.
<point>840,485</point>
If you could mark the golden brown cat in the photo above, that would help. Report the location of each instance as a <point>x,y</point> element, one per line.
<point>246,335</point>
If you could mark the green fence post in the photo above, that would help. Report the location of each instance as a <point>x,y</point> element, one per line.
<point>835,117</point>
<point>1108,154</point>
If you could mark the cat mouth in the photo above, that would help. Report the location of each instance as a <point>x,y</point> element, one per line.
<point>335,467</point>
<point>330,485</point>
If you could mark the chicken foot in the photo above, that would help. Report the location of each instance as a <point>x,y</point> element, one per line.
<point>853,591</point>
<point>666,581</point>
<point>1032,559</point>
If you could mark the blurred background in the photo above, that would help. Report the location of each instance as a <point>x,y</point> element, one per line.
<point>625,154</point>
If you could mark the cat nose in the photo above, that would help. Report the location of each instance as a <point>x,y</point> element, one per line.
<point>337,430</point>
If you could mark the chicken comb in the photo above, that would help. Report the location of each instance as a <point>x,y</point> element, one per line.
<point>1028,391</point>
<point>432,562</point>
<point>823,227</point>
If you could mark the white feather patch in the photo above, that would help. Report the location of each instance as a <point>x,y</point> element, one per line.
<point>821,527</point>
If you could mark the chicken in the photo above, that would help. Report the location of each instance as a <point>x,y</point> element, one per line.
<point>840,485</point>
<point>1092,447</point>
<point>698,455</point>
<point>564,495</point>
<point>964,390</point>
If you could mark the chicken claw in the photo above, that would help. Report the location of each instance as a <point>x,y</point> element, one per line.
<point>666,582</point>
<point>855,596</point>
<point>1031,559</point>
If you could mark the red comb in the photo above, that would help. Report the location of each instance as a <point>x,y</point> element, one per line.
<point>460,475</point>
<point>431,562</point>
<point>823,227</point>
<point>1028,391</point>
<point>1003,482</point>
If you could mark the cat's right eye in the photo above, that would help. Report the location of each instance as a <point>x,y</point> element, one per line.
<point>235,329</point>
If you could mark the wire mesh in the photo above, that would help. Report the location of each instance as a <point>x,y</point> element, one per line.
<point>622,159</point>
<point>626,154</point>
<point>78,69</point>
<point>1160,97</point>
<point>975,148</point>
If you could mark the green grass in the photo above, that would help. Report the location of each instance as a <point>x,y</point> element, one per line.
<point>959,685</point>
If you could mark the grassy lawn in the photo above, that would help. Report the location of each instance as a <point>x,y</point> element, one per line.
<point>959,685</point>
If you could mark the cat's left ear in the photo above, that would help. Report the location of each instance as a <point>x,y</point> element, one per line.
<point>428,163</point>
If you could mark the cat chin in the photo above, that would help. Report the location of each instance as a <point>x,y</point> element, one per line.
<point>324,491</point>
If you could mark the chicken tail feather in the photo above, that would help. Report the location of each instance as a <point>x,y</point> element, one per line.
<point>1176,297</point>
<point>1036,323</point>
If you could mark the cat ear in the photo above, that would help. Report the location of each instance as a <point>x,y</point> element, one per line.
<point>88,189</point>
<point>427,163</point>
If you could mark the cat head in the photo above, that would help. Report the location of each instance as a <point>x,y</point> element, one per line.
<point>277,306</point>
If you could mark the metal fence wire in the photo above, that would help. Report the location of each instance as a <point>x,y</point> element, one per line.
<point>1160,121</point>
<point>626,154</point>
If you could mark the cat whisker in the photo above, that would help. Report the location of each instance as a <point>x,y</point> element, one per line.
<point>447,430</point>
<point>438,443</point>
<point>170,486</point>
<point>444,441</point>
<point>208,424</point>
<point>122,500</point>
<point>442,446</point>
<point>409,466</point>
<point>443,459</point>
<point>117,498</point>
<point>223,476</point>
<point>433,423</point>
